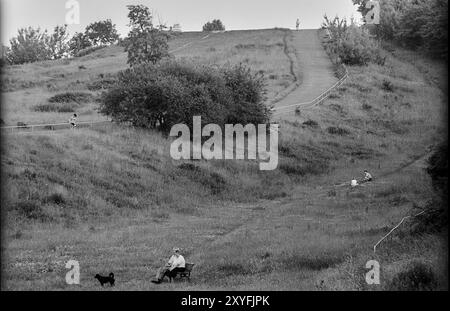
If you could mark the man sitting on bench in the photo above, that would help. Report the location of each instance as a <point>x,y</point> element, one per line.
<point>175,264</point>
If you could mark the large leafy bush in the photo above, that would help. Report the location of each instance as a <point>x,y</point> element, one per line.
<point>159,96</point>
<point>352,44</point>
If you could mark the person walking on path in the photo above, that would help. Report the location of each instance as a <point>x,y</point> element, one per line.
<point>73,120</point>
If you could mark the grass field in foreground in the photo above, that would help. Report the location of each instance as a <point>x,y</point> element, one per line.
<point>112,199</point>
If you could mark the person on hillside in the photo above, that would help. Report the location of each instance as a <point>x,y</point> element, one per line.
<point>73,120</point>
<point>367,176</point>
<point>175,264</point>
<point>297,24</point>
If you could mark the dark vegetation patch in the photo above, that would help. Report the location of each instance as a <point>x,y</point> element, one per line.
<point>241,46</point>
<point>311,123</point>
<point>387,86</point>
<point>55,198</point>
<point>435,218</point>
<point>337,131</point>
<point>417,276</point>
<point>70,97</point>
<point>334,95</point>
<point>160,96</point>
<point>30,209</point>
<point>62,108</point>
<point>366,106</point>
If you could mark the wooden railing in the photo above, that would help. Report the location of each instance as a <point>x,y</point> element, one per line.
<point>48,127</point>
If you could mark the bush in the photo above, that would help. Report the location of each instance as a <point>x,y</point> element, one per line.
<point>387,86</point>
<point>351,44</point>
<point>65,107</point>
<point>159,96</point>
<point>69,97</point>
<point>337,130</point>
<point>55,198</point>
<point>30,210</point>
<point>416,277</point>
<point>436,217</point>
<point>311,123</point>
<point>215,25</point>
<point>420,24</point>
<point>145,43</point>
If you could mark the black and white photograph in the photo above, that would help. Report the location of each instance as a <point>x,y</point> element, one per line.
<point>224,147</point>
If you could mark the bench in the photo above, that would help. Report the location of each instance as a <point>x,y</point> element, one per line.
<point>186,273</point>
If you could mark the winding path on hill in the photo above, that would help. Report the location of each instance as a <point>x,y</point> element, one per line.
<point>315,70</point>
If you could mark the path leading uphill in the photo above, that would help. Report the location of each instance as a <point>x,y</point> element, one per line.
<point>314,69</point>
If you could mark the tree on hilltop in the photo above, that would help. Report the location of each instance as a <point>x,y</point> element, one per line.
<point>145,43</point>
<point>216,24</point>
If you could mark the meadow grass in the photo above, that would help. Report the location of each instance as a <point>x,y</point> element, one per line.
<point>112,198</point>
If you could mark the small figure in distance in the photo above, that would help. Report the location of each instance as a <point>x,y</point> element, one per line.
<point>367,177</point>
<point>73,120</point>
<point>297,24</point>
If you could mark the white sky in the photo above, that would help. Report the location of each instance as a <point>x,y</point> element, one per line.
<point>190,14</point>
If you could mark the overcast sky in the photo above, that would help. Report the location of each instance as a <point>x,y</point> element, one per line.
<point>190,14</point>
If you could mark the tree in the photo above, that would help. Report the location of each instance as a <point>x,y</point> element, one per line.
<point>78,42</point>
<point>417,24</point>
<point>57,43</point>
<point>160,96</point>
<point>145,43</point>
<point>102,32</point>
<point>216,24</point>
<point>29,45</point>
<point>4,55</point>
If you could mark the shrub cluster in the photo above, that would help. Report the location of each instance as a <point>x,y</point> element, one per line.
<point>63,108</point>
<point>351,44</point>
<point>436,217</point>
<point>215,25</point>
<point>161,95</point>
<point>68,97</point>
<point>417,24</point>
<point>416,277</point>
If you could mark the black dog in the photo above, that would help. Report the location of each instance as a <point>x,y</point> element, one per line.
<point>105,279</point>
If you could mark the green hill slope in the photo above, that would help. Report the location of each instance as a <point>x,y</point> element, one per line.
<point>112,198</point>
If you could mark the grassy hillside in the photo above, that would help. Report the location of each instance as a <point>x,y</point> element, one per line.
<point>112,198</point>
<point>26,87</point>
